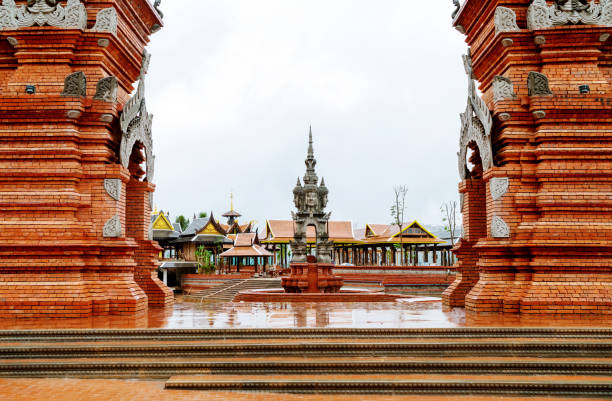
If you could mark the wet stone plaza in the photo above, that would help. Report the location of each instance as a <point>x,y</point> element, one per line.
<point>406,313</point>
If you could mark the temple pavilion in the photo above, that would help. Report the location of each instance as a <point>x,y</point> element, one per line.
<point>373,245</point>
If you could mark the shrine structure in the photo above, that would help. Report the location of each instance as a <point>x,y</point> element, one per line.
<point>311,273</point>
<point>535,158</point>
<point>76,159</point>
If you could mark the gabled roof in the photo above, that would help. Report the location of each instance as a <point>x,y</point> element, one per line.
<point>161,222</point>
<point>412,232</point>
<point>212,227</point>
<point>284,230</point>
<point>231,213</point>
<point>246,244</point>
<point>177,227</point>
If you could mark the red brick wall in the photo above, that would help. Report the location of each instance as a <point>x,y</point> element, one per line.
<point>54,260</point>
<point>558,206</point>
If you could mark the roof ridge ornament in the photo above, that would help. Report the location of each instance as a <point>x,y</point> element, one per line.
<point>564,12</point>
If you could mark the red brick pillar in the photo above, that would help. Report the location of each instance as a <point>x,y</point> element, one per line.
<point>138,226</point>
<point>474,223</point>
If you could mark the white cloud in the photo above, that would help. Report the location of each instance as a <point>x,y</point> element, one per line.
<point>235,84</point>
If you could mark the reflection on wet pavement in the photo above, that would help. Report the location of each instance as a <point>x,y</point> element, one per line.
<point>413,313</point>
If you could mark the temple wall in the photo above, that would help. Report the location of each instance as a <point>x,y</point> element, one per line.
<point>548,241</point>
<point>66,245</point>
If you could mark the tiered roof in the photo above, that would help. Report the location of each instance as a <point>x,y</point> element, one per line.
<point>246,245</point>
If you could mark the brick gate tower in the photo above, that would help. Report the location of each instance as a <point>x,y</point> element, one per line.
<point>76,161</point>
<point>535,158</point>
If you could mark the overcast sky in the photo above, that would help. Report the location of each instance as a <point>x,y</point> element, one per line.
<point>234,85</point>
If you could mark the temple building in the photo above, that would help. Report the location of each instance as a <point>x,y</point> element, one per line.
<point>247,250</point>
<point>374,245</point>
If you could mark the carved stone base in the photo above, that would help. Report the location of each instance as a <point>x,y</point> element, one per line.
<point>312,277</point>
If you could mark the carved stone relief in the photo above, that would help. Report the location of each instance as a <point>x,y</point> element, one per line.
<point>106,89</point>
<point>505,20</point>
<point>113,187</point>
<point>43,12</point>
<point>503,89</point>
<point>75,84</point>
<point>537,84</point>
<point>476,125</point>
<point>498,187</point>
<point>563,12</point>
<point>106,20</point>
<point>112,228</point>
<point>499,228</point>
<point>310,201</point>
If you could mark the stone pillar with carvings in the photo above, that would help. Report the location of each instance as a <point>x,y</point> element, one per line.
<point>67,245</point>
<point>311,273</point>
<point>538,140</point>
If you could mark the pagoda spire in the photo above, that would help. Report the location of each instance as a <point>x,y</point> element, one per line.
<point>310,177</point>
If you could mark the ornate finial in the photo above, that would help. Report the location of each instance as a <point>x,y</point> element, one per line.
<point>311,162</point>
<point>231,201</point>
<point>155,212</point>
<point>310,149</point>
<point>322,181</point>
<point>299,184</point>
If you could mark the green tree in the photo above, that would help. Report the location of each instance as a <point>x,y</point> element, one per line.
<point>203,257</point>
<point>202,215</point>
<point>183,221</point>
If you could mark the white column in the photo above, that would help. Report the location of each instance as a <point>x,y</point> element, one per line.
<point>165,276</point>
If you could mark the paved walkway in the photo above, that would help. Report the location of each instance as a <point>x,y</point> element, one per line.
<point>127,390</point>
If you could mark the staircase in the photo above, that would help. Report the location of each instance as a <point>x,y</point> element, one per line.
<point>226,291</point>
<point>496,361</point>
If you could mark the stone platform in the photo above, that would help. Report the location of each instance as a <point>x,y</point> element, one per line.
<point>344,295</point>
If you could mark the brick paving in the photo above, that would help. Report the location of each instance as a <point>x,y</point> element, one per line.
<point>127,390</point>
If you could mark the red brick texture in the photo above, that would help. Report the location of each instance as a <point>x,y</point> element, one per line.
<point>558,258</point>
<point>54,259</point>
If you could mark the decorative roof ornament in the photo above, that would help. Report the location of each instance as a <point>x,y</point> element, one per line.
<point>476,124</point>
<point>563,12</point>
<point>310,201</point>
<point>43,12</point>
<point>457,8</point>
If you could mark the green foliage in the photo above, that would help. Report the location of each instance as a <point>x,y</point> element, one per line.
<point>203,257</point>
<point>202,215</point>
<point>183,221</point>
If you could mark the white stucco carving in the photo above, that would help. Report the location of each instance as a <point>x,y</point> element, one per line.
<point>136,124</point>
<point>113,187</point>
<point>73,15</point>
<point>541,16</point>
<point>498,187</point>
<point>476,125</point>
<point>505,20</point>
<point>112,228</point>
<point>503,89</point>
<point>106,20</point>
<point>499,228</point>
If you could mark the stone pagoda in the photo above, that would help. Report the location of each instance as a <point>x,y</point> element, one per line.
<point>535,158</point>
<point>311,273</point>
<point>76,159</point>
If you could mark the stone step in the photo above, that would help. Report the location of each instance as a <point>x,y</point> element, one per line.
<point>396,384</point>
<point>465,333</point>
<point>165,369</point>
<point>311,349</point>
